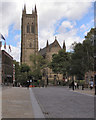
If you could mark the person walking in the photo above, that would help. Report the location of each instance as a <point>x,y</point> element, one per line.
<point>91,85</point>
<point>73,85</point>
<point>77,85</point>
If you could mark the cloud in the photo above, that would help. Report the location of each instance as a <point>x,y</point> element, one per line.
<point>15,52</point>
<point>49,12</point>
<point>65,26</point>
<point>69,37</point>
<point>9,14</point>
<point>17,37</point>
<point>85,28</point>
<point>52,12</point>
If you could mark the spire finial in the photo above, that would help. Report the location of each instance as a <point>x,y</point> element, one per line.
<point>24,10</point>
<point>47,44</point>
<point>64,46</point>
<point>35,9</point>
<point>55,37</point>
<point>25,7</point>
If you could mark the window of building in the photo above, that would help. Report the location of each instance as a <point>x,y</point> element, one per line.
<point>55,45</point>
<point>30,45</point>
<point>32,28</point>
<point>28,28</point>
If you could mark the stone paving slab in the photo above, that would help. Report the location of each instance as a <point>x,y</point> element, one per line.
<point>16,103</point>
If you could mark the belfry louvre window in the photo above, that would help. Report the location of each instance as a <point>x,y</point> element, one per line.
<point>32,28</point>
<point>28,28</point>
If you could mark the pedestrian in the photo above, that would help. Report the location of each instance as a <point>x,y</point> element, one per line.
<point>91,86</point>
<point>82,87</point>
<point>27,85</point>
<point>73,85</point>
<point>77,85</point>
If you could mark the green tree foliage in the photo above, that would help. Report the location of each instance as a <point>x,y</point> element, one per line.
<point>25,68</point>
<point>21,73</point>
<point>60,62</point>
<point>77,63</point>
<point>38,63</point>
<point>23,77</point>
<point>82,59</point>
<point>88,55</point>
<point>17,70</point>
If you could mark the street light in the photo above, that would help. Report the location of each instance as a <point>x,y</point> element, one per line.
<point>95,60</point>
<point>95,73</point>
<point>95,45</point>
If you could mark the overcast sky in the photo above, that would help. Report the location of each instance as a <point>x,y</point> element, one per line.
<point>69,21</point>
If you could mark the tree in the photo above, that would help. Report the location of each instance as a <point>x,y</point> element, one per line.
<point>21,73</point>
<point>77,66</point>
<point>60,62</point>
<point>82,59</point>
<point>23,77</point>
<point>38,63</point>
<point>17,71</point>
<point>24,68</point>
<point>88,55</point>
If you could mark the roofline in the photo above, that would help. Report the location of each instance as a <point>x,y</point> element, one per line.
<point>3,51</point>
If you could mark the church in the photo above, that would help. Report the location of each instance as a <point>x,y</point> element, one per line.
<point>29,45</point>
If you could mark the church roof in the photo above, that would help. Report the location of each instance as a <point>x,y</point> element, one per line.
<point>44,50</point>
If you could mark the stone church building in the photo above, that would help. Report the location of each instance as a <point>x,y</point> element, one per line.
<point>47,53</point>
<point>29,44</point>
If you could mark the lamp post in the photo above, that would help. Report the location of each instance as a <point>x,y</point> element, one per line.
<point>95,61</point>
<point>94,41</point>
<point>0,64</point>
<point>95,73</point>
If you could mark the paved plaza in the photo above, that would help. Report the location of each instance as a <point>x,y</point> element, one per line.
<point>16,103</point>
<point>60,102</point>
<point>49,102</point>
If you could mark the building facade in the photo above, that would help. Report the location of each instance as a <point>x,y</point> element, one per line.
<point>29,35</point>
<point>47,53</point>
<point>7,68</point>
<point>29,44</point>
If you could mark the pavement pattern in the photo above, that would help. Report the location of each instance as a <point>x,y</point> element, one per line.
<point>16,103</point>
<point>60,102</point>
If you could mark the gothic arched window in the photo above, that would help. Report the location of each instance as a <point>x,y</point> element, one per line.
<point>28,28</point>
<point>32,28</point>
<point>30,45</point>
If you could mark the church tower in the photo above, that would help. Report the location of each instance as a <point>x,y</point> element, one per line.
<point>29,35</point>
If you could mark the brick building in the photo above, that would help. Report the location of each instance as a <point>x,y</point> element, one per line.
<point>7,68</point>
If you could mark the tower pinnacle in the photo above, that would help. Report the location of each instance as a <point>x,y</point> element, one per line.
<point>55,38</point>
<point>47,44</point>
<point>35,9</point>
<point>24,10</point>
<point>64,46</point>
